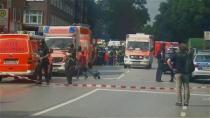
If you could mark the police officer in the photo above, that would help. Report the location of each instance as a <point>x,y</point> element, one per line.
<point>161,59</point>
<point>43,53</point>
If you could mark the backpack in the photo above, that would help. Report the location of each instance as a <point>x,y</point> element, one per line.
<point>184,63</point>
<point>189,66</point>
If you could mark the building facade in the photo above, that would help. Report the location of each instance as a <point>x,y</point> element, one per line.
<point>30,14</point>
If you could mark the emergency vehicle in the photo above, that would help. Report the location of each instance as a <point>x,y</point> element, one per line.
<point>138,50</point>
<point>59,38</point>
<point>18,55</point>
<point>167,45</point>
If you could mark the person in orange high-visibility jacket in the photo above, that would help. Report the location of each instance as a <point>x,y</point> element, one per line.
<point>82,64</point>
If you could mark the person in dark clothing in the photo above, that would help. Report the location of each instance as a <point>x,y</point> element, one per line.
<point>160,58</point>
<point>184,66</point>
<point>172,63</point>
<point>70,64</point>
<point>43,53</point>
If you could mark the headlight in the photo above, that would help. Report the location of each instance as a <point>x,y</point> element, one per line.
<point>132,56</point>
<point>146,57</point>
<point>125,56</point>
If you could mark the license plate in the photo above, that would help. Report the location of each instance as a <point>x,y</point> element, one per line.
<point>10,62</point>
<point>136,63</point>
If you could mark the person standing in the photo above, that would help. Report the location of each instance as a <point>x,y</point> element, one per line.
<point>172,63</point>
<point>183,65</point>
<point>70,64</point>
<point>81,64</point>
<point>160,58</point>
<point>43,53</point>
<point>106,58</point>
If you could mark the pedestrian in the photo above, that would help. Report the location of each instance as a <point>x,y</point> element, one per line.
<point>70,64</point>
<point>81,64</point>
<point>172,63</point>
<point>43,53</point>
<point>184,66</point>
<point>161,59</point>
<point>106,58</point>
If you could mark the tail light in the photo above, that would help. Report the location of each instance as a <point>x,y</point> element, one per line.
<point>30,60</point>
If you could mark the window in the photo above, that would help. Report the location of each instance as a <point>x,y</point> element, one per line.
<point>32,17</point>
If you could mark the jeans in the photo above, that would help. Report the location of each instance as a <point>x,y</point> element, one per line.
<point>182,80</point>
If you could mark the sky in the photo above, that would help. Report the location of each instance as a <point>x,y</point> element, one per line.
<point>153,6</point>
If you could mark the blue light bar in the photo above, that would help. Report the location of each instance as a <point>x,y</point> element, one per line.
<point>46,29</point>
<point>72,29</point>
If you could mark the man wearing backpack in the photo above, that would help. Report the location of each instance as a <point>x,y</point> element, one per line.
<point>184,66</point>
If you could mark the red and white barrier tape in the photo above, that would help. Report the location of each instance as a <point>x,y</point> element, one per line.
<point>22,77</point>
<point>124,86</point>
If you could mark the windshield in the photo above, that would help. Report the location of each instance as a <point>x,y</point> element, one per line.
<point>202,58</point>
<point>13,46</point>
<point>135,45</point>
<point>59,43</point>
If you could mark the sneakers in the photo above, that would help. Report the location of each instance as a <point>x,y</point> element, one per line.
<point>180,104</point>
<point>185,104</point>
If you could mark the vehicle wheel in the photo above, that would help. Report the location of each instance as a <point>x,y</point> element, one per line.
<point>125,66</point>
<point>1,79</point>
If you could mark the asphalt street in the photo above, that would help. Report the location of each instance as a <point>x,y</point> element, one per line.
<point>120,93</point>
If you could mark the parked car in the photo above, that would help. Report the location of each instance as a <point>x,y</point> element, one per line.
<point>202,65</point>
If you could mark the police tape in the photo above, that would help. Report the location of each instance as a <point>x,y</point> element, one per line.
<point>107,86</point>
<point>22,78</point>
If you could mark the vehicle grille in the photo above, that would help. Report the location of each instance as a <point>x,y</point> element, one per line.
<point>57,59</point>
<point>136,57</point>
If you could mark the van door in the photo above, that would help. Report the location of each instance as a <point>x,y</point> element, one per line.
<point>14,55</point>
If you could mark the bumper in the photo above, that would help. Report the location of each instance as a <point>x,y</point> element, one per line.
<point>200,73</point>
<point>58,68</point>
<point>137,63</point>
<point>25,73</point>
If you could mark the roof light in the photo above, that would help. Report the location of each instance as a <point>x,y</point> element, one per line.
<point>46,29</point>
<point>72,29</point>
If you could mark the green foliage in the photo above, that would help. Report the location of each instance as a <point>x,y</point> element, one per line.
<point>181,19</point>
<point>120,17</point>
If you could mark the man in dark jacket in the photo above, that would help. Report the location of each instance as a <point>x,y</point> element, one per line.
<point>161,59</point>
<point>43,53</point>
<point>182,77</point>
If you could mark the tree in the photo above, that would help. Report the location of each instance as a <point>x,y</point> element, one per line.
<point>120,17</point>
<point>181,19</point>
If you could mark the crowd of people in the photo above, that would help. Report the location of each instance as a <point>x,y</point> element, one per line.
<point>110,55</point>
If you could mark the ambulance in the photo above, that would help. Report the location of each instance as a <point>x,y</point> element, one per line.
<point>59,38</point>
<point>19,56</point>
<point>138,50</point>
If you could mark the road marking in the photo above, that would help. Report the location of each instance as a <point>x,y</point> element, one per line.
<point>64,104</point>
<point>119,77</point>
<point>183,114</point>
<point>135,91</point>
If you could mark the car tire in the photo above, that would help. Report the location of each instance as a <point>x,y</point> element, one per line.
<point>1,79</point>
<point>125,66</point>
